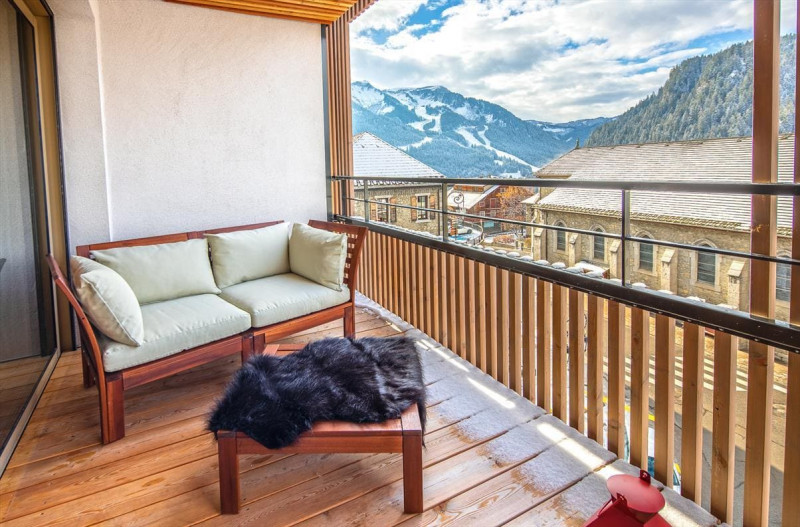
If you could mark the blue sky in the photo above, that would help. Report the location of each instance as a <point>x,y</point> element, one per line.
<point>553,60</point>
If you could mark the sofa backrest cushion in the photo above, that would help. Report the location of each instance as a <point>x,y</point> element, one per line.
<point>164,271</point>
<point>318,255</point>
<point>248,255</point>
<point>108,301</point>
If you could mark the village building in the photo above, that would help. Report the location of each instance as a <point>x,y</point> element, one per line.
<point>719,220</point>
<point>491,201</point>
<point>376,159</point>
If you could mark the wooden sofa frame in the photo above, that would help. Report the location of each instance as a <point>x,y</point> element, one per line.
<point>112,385</point>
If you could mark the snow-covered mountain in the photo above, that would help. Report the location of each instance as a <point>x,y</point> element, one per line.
<point>461,136</point>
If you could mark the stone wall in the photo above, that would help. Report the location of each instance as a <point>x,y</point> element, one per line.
<point>674,270</point>
<point>404,195</point>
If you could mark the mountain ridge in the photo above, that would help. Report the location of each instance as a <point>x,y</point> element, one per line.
<point>462,136</point>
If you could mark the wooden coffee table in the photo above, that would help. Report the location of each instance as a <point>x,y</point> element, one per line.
<point>403,435</point>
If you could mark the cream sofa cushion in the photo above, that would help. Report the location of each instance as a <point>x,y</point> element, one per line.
<point>318,255</point>
<point>108,301</point>
<point>282,297</point>
<point>164,271</point>
<point>176,325</point>
<point>246,255</point>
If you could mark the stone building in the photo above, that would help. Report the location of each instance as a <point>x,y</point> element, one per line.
<point>377,159</point>
<point>719,220</point>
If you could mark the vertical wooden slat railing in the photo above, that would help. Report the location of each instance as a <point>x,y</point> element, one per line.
<point>595,329</point>
<point>665,399</point>
<point>544,362</point>
<point>640,386</point>
<point>559,336</point>
<point>692,412</point>
<point>723,447</point>
<point>616,378</point>
<point>576,361</point>
<point>568,352</point>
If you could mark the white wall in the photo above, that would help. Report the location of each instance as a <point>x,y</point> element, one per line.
<point>179,118</point>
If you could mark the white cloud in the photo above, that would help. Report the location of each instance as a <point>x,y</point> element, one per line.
<point>389,15</point>
<point>544,59</point>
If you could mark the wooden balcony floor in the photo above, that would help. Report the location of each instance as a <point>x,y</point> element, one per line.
<point>492,458</point>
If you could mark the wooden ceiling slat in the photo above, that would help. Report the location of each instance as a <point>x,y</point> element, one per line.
<point>317,11</point>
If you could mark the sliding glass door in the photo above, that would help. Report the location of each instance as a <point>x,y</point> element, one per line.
<point>27,314</point>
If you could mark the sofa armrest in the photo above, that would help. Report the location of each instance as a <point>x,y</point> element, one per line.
<point>355,242</point>
<point>88,337</point>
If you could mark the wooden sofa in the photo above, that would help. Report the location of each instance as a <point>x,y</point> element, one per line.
<point>112,385</point>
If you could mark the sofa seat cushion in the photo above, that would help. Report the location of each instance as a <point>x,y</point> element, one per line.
<point>282,297</point>
<point>176,325</point>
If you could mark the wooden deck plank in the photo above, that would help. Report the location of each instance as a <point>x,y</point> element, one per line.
<point>480,438</point>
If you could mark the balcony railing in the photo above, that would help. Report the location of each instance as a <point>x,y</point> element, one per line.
<point>519,322</point>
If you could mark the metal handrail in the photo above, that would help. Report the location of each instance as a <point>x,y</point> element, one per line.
<point>731,321</point>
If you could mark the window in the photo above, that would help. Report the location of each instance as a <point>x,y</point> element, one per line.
<point>599,247</point>
<point>383,209</point>
<point>561,238</point>
<point>646,255</point>
<point>422,202</point>
<point>783,282</point>
<point>493,203</point>
<point>706,266</point>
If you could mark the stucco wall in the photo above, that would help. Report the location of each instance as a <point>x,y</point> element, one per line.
<point>177,118</point>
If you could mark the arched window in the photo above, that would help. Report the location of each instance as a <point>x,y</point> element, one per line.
<point>599,246</point>
<point>561,237</point>
<point>706,266</point>
<point>646,255</point>
<point>783,282</point>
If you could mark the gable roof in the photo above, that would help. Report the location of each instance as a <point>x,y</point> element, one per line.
<point>718,160</point>
<point>375,158</point>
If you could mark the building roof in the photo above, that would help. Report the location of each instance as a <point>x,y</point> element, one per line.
<point>719,160</point>
<point>375,158</point>
<point>470,198</point>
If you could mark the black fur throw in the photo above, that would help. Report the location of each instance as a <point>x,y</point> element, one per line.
<point>274,399</point>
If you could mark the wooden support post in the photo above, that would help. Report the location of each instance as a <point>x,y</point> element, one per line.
<point>560,352</point>
<point>422,293</point>
<point>543,342</point>
<point>692,413</point>
<point>594,360</point>
<point>723,446</point>
<point>529,338</point>
<point>640,386</point>
<point>515,336</point>
<point>665,399</point>
<point>577,364</point>
<point>763,240</point>
<point>616,378</point>
<point>791,460</point>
